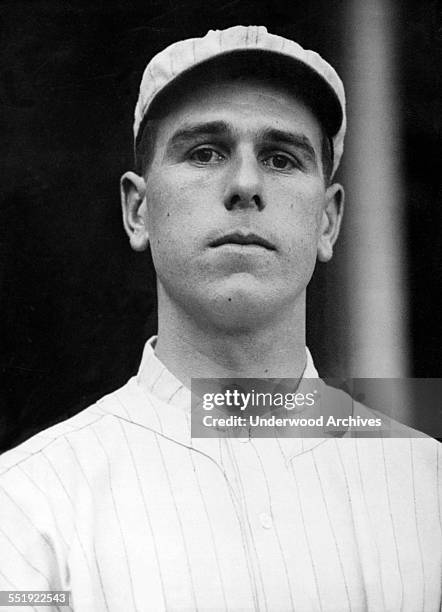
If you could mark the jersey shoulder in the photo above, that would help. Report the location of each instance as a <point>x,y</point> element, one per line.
<point>363,421</point>
<point>48,439</point>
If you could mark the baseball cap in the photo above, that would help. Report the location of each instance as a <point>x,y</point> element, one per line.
<point>248,50</point>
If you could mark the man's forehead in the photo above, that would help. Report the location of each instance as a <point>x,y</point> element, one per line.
<point>234,105</point>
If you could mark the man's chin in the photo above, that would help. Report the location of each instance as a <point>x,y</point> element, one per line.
<point>240,302</point>
<point>243,308</point>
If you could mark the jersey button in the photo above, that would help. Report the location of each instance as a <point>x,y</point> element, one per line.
<point>266,520</point>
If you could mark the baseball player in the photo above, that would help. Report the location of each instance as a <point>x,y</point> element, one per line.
<point>238,136</point>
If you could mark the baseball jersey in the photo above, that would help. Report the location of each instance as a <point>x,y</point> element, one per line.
<point>120,506</point>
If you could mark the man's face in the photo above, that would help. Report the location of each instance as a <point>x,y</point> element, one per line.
<point>235,202</point>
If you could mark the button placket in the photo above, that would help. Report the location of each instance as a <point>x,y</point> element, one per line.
<point>266,520</point>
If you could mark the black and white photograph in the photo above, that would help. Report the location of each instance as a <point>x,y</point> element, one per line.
<point>220,273</point>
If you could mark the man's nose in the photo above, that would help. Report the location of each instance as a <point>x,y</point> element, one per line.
<point>244,184</point>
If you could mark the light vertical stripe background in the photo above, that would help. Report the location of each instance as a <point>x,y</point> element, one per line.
<point>374,225</point>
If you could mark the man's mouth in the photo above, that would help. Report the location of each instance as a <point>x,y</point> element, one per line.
<point>243,239</point>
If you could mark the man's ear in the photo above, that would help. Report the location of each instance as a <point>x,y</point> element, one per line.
<point>330,221</point>
<point>133,203</point>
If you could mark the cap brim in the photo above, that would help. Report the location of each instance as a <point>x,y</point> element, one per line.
<point>295,75</point>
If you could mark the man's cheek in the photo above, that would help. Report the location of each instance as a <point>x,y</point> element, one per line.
<point>162,209</point>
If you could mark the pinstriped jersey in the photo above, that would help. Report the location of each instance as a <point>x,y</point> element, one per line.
<point>121,507</point>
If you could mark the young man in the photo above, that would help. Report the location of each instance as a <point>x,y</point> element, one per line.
<point>238,136</point>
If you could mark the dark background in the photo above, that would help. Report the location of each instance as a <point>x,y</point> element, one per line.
<point>76,303</point>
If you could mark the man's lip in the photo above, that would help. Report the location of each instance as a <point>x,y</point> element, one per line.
<point>243,238</point>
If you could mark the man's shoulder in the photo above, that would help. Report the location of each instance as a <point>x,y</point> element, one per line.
<point>365,422</point>
<point>380,445</point>
<point>45,445</point>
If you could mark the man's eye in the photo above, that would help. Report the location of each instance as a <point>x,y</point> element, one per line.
<point>278,161</point>
<point>206,155</point>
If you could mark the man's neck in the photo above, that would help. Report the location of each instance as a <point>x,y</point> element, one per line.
<point>191,350</point>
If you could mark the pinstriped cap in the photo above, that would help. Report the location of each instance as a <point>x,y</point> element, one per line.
<point>307,69</point>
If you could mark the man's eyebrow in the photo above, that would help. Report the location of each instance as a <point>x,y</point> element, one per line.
<point>193,130</point>
<point>300,141</point>
<point>190,131</point>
